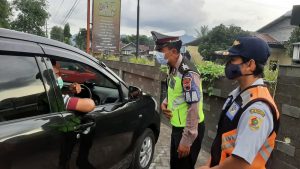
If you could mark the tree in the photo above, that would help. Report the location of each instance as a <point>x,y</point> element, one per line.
<point>4,14</point>
<point>57,33</point>
<point>143,40</point>
<point>32,16</point>
<point>219,38</point>
<point>295,37</point>
<point>80,39</point>
<point>202,31</point>
<point>67,34</point>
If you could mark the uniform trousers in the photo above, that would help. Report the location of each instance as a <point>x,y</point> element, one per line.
<point>189,161</point>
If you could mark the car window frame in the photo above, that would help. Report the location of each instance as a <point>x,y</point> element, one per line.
<point>34,56</point>
<point>61,54</point>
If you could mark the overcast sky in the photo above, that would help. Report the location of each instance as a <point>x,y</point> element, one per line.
<point>172,15</point>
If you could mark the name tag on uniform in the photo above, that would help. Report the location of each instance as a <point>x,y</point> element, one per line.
<point>234,108</point>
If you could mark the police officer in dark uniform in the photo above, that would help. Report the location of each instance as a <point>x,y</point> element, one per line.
<point>184,103</point>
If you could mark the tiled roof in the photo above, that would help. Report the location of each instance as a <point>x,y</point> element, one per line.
<point>267,38</point>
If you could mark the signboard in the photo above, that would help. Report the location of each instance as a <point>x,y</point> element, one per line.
<point>106,26</point>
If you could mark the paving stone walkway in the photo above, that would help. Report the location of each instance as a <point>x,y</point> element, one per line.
<point>161,157</point>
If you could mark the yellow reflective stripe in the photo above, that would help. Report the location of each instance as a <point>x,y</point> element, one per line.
<point>178,101</point>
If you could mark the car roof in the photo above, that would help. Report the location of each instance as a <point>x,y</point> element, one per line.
<point>15,35</point>
<point>6,33</point>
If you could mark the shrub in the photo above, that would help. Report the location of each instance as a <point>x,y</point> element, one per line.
<point>210,71</point>
<point>142,61</point>
<point>112,58</point>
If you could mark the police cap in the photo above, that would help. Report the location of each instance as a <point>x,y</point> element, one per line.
<point>164,39</point>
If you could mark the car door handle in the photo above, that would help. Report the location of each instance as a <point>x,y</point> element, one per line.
<point>84,126</point>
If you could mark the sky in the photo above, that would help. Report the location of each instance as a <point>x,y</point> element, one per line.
<point>173,15</point>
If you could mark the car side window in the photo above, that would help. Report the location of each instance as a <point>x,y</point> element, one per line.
<point>103,89</point>
<point>22,92</point>
<point>80,73</point>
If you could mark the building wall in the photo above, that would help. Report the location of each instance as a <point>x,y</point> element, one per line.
<point>287,97</point>
<point>280,55</point>
<point>129,49</point>
<point>148,78</point>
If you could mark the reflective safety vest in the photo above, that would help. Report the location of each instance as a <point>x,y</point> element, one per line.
<point>224,142</point>
<point>175,96</point>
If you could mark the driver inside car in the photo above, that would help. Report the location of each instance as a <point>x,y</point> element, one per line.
<point>83,105</point>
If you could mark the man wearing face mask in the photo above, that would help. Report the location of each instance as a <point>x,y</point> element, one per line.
<point>84,105</point>
<point>249,120</point>
<point>183,105</point>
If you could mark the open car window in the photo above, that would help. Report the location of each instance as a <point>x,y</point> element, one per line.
<point>80,73</point>
<point>94,84</point>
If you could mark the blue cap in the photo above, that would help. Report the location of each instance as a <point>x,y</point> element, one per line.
<point>251,48</point>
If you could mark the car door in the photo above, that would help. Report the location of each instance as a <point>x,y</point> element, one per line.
<point>115,121</point>
<point>30,133</point>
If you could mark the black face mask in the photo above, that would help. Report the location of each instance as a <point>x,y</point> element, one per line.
<point>233,71</point>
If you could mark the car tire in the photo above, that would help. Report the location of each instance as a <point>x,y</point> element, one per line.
<point>144,151</point>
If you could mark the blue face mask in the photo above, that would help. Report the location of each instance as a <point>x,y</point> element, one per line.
<point>160,57</point>
<point>60,82</point>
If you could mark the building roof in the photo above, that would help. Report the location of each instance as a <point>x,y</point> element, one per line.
<point>267,38</point>
<point>122,44</point>
<point>282,17</point>
<point>272,42</point>
<point>141,47</point>
<point>125,45</point>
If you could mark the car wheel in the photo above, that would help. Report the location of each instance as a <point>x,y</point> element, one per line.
<point>144,151</point>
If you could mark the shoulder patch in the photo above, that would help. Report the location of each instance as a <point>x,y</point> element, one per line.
<point>254,122</point>
<point>187,83</point>
<point>257,111</point>
<point>190,89</point>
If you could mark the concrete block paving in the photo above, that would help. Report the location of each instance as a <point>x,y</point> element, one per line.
<point>161,158</point>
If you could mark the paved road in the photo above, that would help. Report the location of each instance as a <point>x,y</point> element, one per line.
<point>162,151</point>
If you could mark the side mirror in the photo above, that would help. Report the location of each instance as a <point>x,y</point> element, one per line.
<point>134,92</point>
